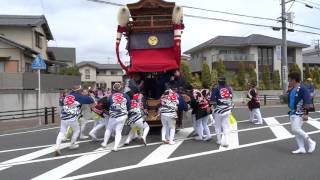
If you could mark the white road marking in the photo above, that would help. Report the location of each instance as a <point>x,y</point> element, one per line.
<point>279,131</point>
<point>130,147</point>
<point>31,131</point>
<point>314,123</point>
<point>164,151</point>
<point>71,166</point>
<point>35,147</point>
<point>31,156</point>
<point>104,172</point>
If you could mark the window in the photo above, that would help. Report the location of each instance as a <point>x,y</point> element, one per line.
<point>114,72</point>
<point>1,66</point>
<point>87,73</point>
<point>38,40</point>
<point>28,67</point>
<point>265,56</point>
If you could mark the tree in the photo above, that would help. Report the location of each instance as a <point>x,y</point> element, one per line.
<point>71,71</point>
<point>221,69</point>
<point>196,82</point>
<point>266,76</point>
<point>241,76</point>
<point>185,70</point>
<point>205,75</point>
<point>306,73</point>
<point>214,77</point>
<point>316,75</point>
<point>295,68</point>
<point>276,79</point>
<point>252,75</point>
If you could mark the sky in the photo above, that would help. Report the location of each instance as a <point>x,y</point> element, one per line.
<point>91,27</point>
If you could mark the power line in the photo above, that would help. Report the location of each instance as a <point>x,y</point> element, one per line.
<point>226,20</point>
<point>107,2</point>
<point>307,5</point>
<point>229,13</point>
<point>249,24</point>
<point>311,2</point>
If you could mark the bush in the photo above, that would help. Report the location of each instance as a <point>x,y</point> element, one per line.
<point>252,75</point>
<point>71,71</point>
<point>306,73</point>
<point>241,77</point>
<point>276,80</point>
<point>185,70</point>
<point>266,77</point>
<point>205,75</point>
<point>220,68</point>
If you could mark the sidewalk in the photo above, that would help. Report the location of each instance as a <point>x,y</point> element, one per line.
<point>16,124</point>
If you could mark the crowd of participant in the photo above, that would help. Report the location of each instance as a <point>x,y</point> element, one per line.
<point>125,105</point>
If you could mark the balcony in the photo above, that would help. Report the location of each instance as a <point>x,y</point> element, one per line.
<point>234,57</point>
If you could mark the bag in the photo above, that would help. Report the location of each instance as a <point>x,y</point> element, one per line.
<point>232,119</point>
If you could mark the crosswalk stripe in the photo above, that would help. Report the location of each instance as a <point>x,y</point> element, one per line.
<point>279,131</point>
<point>71,166</point>
<point>163,152</point>
<point>314,123</point>
<point>109,171</point>
<point>31,156</point>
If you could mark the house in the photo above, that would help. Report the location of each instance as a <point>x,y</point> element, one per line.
<point>65,56</point>
<point>100,75</point>
<point>255,50</point>
<point>21,39</point>
<point>311,57</point>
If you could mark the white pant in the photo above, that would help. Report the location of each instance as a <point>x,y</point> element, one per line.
<point>140,125</point>
<point>115,124</point>
<point>194,123</point>
<point>296,127</point>
<point>222,125</point>
<point>83,123</point>
<point>168,126</point>
<point>63,130</point>
<point>202,126</point>
<point>99,125</point>
<point>255,113</point>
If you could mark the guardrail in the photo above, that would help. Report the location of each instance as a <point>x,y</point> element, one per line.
<point>266,98</point>
<point>30,113</point>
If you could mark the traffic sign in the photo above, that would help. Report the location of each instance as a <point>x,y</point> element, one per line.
<point>38,63</point>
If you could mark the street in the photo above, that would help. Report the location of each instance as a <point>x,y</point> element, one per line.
<point>255,152</point>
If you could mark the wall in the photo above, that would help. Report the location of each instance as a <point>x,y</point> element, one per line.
<point>299,59</point>
<point>27,99</point>
<point>43,50</point>
<point>21,35</point>
<point>30,81</point>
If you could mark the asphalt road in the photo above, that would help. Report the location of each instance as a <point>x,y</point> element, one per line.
<point>256,152</point>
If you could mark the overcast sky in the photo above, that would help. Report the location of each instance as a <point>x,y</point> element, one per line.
<point>91,27</point>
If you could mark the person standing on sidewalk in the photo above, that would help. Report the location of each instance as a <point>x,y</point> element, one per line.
<point>70,114</point>
<point>254,104</point>
<point>299,102</point>
<point>221,98</point>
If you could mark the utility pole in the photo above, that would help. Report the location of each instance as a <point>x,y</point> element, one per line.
<point>284,61</point>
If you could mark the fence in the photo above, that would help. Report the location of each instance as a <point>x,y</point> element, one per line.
<point>30,113</point>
